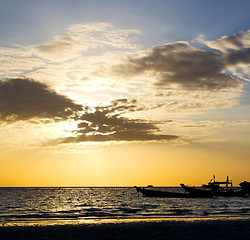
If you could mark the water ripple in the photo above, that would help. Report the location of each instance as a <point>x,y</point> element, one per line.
<point>63,203</point>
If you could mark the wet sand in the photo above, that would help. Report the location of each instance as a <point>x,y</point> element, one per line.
<point>202,230</point>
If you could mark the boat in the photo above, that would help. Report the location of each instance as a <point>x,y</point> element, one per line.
<point>245,186</point>
<point>166,194</point>
<point>216,185</point>
<point>198,191</point>
<point>214,188</point>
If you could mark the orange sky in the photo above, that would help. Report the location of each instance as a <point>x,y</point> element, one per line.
<point>124,165</point>
<point>117,94</point>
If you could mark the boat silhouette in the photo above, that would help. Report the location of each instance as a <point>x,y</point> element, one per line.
<point>212,189</point>
<point>158,193</point>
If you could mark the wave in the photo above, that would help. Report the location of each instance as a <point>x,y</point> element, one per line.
<point>76,203</point>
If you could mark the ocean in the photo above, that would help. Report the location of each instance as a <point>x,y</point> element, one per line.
<point>71,205</point>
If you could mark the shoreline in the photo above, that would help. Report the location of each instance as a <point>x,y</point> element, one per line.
<point>102,220</point>
<point>163,229</point>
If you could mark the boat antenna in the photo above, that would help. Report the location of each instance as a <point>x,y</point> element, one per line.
<point>227,182</point>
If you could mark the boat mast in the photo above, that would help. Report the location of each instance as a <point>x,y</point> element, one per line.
<point>227,183</point>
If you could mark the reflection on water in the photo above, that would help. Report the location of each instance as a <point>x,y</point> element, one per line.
<point>55,205</point>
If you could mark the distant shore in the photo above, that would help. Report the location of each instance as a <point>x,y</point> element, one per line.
<point>228,229</point>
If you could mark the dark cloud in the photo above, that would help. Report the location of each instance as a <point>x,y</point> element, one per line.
<point>122,106</point>
<point>235,49</point>
<point>24,99</point>
<point>106,124</point>
<point>237,57</point>
<point>178,63</point>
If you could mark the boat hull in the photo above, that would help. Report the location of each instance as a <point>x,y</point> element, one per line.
<point>199,192</point>
<point>211,193</point>
<point>165,194</point>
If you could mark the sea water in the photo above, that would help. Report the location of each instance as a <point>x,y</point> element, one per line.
<point>23,206</point>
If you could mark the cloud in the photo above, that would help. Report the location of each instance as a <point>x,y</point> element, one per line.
<point>63,47</point>
<point>199,39</point>
<point>192,106</point>
<point>203,130</point>
<point>17,61</point>
<point>24,99</point>
<point>179,64</point>
<point>106,124</point>
<point>235,49</point>
<point>80,38</point>
<point>69,58</point>
<point>86,63</point>
<point>235,42</point>
<point>121,106</point>
<point>238,58</point>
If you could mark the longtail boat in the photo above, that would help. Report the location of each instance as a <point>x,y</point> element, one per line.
<point>214,187</point>
<point>158,193</point>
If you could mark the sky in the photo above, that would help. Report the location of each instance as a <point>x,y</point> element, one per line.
<point>124,93</point>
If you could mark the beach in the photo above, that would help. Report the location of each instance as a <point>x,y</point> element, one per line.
<point>228,229</point>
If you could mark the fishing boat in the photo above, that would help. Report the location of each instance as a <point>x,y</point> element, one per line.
<point>212,189</point>
<point>166,194</point>
<point>197,191</point>
<point>245,186</point>
<point>216,188</point>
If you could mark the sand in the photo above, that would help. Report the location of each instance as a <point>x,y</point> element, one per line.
<point>202,230</point>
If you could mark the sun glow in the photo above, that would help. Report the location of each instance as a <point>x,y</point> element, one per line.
<point>123,101</point>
